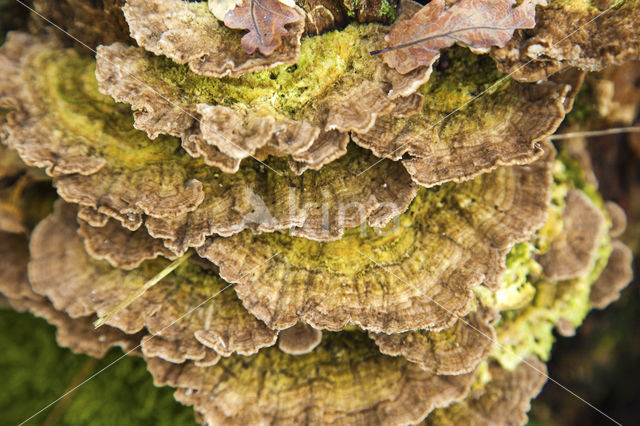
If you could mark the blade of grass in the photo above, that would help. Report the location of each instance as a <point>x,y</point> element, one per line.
<point>136,294</point>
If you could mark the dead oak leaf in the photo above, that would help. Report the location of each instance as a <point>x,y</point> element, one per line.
<point>265,20</point>
<point>478,24</point>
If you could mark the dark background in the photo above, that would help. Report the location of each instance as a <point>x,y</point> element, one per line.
<point>601,363</point>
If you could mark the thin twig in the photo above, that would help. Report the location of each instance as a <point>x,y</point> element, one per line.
<point>592,133</point>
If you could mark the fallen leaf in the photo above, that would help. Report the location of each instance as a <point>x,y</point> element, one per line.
<point>265,20</point>
<point>478,24</point>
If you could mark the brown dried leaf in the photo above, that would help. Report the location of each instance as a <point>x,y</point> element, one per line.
<point>417,42</point>
<point>266,21</point>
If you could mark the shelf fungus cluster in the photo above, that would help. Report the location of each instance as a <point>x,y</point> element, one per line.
<point>321,211</point>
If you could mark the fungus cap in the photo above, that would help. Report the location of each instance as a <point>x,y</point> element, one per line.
<point>415,274</point>
<point>534,55</point>
<point>331,384</point>
<point>60,269</point>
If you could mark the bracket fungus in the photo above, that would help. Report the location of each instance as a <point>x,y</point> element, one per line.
<point>456,350</point>
<point>61,269</point>
<point>213,216</point>
<point>417,275</point>
<point>505,399</point>
<point>121,178</point>
<point>299,339</point>
<point>331,384</point>
<point>573,34</point>
<point>121,247</point>
<point>572,252</point>
<point>301,111</point>
<point>189,33</point>
<point>505,126</point>
<point>614,277</point>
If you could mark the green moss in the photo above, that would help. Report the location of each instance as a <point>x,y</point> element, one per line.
<point>288,88</point>
<point>328,61</point>
<point>35,372</point>
<point>387,10</point>
<point>466,76</point>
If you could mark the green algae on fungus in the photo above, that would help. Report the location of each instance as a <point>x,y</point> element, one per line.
<point>417,275</point>
<point>87,141</point>
<point>530,329</point>
<point>526,330</point>
<point>597,40</point>
<point>456,136</point>
<point>79,285</point>
<point>302,111</point>
<point>506,395</point>
<point>323,61</point>
<point>345,379</point>
<point>455,350</point>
